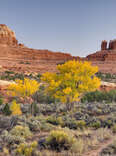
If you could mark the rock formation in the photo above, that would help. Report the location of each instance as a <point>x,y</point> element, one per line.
<point>112,45</point>
<point>105,59</point>
<point>7,36</point>
<point>106,54</point>
<point>17,57</point>
<point>104,45</point>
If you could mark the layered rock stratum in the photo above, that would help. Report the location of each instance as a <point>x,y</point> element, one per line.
<point>7,36</point>
<point>105,59</point>
<point>15,56</point>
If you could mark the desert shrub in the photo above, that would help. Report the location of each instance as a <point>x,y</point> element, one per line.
<point>78,147</point>
<point>9,72</point>
<point>11,139</point>
<point>100,75</point>
<point>18,76</point>
<point>114,128</point>
<point>95,124</point>
<point>81,124</point>
<point>48,109</point>
<point>38,76</point>
<point>70,123</point>
<point>1,101</point>
<point>6,110</point>
<point>99,96</point>
<point>59,140</point>
<point>109,123</point>
<point>103,134</point>
<point>92,96</point>
<point>106,76</point>
<point>26,149</point>
<point>43,125</point>
<point>46,127</point>
<point>55,120</point>
<point>112,95</point>
<point>10,75</point>
<point>21,131</point>
<point>34,125</point>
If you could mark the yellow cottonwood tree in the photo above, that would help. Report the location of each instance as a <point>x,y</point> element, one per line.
<point>15,108</point>
<point>23,88</point>
<point>74,78</point>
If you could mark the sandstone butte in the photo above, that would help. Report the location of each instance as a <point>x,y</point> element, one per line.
<point>17,57</point>
<point>105,59</point>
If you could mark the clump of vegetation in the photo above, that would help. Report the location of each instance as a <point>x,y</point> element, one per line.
<point>55,121</point>
<point>81,124</point>
<point>96,124</point>
<point>1,100</point>
<point>11,139</point>
<point>70,122</point>
<point>26,149</point>
<point>23,88</point>
<point>21,131</point>
<point>100,96</point>
<point>15,108</point>
<point>60,140</point>
<point>6,110</point>
<point>114,128</point>
<point>106,76</point>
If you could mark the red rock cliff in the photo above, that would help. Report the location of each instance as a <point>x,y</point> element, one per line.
<point>14,56</point>
<point>7,36</point>
<point>105,59</point>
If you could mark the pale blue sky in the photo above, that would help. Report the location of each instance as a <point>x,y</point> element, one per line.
<point>74,26</point>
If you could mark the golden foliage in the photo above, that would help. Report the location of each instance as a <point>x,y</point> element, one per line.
<point>23,88</point>
<point>26,149</point>
<point>74,78</point>
<point>15,108</point>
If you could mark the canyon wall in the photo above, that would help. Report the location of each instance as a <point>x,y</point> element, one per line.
<point>15,56</point>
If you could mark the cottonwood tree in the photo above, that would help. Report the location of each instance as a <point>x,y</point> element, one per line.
<point>73,80</point>
<point>25,89</point>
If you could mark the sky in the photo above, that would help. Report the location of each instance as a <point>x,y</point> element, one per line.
<point>71,26</point>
